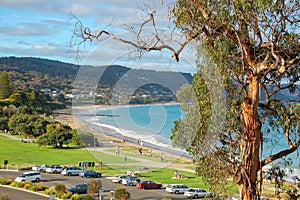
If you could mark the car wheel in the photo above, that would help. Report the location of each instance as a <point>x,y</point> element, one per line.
<point>120,181</point>
<point>37,179</point>
<point>69,174</point>
<point>87,176</point>
<point>145,188</point>
<point>99,176</point>
<point>196,196</point>
<point>176,192</point>
<point>55,172</point>
<point>130,184</point>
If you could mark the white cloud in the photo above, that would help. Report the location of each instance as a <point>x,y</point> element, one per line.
<point>43,28</point>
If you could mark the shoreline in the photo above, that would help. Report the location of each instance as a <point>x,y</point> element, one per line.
<point>110,137</point>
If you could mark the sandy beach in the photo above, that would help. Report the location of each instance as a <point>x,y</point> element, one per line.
<point>108,137</point>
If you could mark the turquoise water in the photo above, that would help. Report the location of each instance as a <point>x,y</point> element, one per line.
<point>150,122</point>
<point>153,123</point>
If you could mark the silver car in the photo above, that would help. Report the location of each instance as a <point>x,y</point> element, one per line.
<point>131,181</point>
<point>197,193</point>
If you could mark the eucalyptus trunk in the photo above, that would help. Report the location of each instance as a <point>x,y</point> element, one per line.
<point>245,175</point>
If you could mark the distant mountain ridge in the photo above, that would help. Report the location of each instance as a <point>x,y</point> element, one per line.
<point>40,73</point>
<point>58,68</point>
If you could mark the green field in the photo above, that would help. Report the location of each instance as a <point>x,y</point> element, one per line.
<point>22,154</point>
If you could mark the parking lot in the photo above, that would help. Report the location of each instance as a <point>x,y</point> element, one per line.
<point>50,179</point>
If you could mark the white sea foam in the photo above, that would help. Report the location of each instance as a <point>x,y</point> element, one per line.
<point>149,138</point>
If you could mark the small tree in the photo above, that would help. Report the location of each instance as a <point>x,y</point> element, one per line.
<point>94,187</point>
<point>6,88</point>
<point>57,135</point>
<point>121,194</point>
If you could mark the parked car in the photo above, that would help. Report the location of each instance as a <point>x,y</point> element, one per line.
<point>80,188</point>
<point>40,168</point>
<point>71,171</point>
<point>54,169</point>
<point>131,181</point>
<point>177,188</point>
<point>148,185</point>
<point>29,176</point>
<point>118,178</point>
<point>90,173</point>
<point>197,193</point>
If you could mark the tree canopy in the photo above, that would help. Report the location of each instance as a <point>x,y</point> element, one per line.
<point>6,88</point>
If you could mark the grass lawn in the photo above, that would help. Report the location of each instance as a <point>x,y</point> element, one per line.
<point>21,154</point>
<point>165,175</point>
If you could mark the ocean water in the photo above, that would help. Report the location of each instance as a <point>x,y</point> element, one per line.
<point>153,123</point>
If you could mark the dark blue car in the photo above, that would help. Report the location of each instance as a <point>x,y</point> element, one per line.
<point>80,188</point>
<point>90,173</point>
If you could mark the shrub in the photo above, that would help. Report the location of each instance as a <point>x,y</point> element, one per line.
<point>66,195</point>
<point>4,196</point>
<point>60,188</point>
<point>27,186</point>
<point>5,181</point>
<point>121,194</point>
<point>13,184</point>
<point>94,187</point>
<point>34,187</point>
<point>50,191</point>
<point>77,197</point>
<point>41,186</point>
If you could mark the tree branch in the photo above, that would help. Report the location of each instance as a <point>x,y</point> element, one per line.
<point>280,154</point>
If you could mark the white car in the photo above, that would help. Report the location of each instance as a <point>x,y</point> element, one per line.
<point>54,169</point>
<point>71,171</point>
<point>118,178</point>
<point>131,181</point>
<point>197,193</point>
<point>177,188</point>
<point>29,176</point>
<point>41,168</point>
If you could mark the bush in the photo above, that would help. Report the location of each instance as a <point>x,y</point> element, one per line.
<point>27,186</point>
<point>77,197</point>
<point>60,188</point>
<point>50,191</point>
<point>66,195</point>
<point>5,181</point>
<point>94,187</point>
<point>41,186</point>
<point>34,188</point>
<point>13,184</point>
<point>4,196</point>
<point>121,194</point>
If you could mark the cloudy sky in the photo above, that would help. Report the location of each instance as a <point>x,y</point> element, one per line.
<point>43,28</point>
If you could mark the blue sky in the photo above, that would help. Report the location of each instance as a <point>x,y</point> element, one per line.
<point>40,28</point>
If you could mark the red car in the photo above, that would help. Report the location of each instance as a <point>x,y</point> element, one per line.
<point>148,185</point>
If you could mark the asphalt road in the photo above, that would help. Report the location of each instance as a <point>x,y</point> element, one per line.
<point>51,179</point>
<point>14,194</point>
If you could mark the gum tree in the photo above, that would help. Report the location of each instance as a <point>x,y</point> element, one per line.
<point>255,47</point>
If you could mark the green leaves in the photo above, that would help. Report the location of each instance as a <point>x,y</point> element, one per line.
<point>6,88</point>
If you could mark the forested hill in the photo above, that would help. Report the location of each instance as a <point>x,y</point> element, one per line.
<point>42,66</point>
<point>38,73</point>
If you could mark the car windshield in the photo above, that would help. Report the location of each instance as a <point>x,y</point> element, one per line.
<point>23,175</point>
